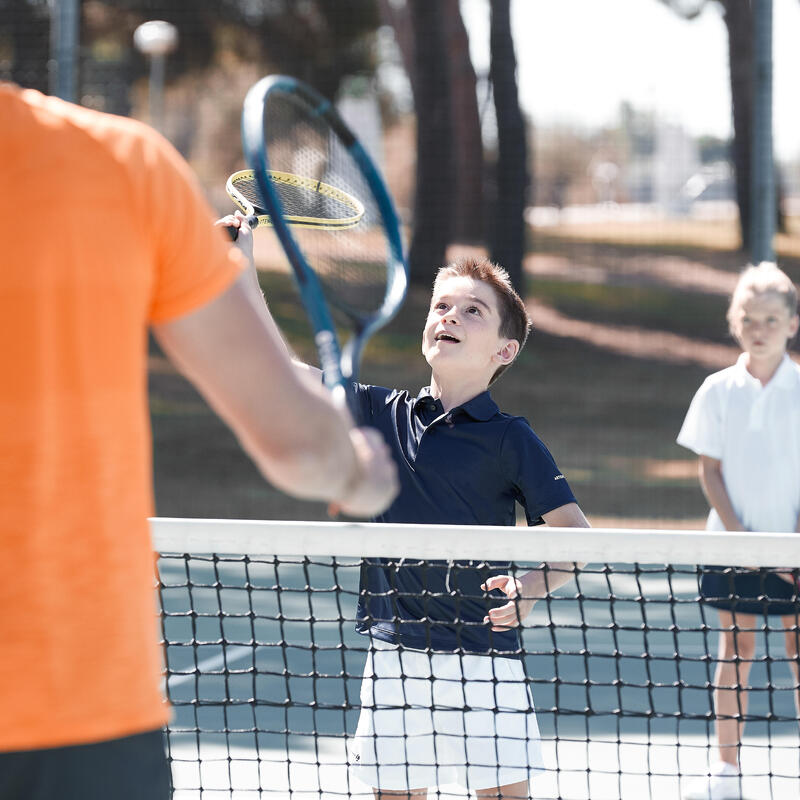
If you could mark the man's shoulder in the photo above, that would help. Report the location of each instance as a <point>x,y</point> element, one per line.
<point>50,110</point>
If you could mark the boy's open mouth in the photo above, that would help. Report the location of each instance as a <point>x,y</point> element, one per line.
<point>445,337</point>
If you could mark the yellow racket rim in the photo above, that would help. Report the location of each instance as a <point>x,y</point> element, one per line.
<point>300,182</point>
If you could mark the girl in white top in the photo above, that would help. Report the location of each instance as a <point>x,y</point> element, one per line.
<point>744,423</point>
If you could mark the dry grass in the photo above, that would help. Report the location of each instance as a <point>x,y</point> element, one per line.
<point>624,334</point>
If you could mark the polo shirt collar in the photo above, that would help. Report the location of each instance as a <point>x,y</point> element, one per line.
<point>481,407</point>
<point>784,376</point>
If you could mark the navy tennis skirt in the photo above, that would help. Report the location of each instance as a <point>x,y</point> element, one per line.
<point>749,591</point>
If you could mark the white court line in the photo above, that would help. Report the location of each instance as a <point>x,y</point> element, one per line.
<point>594,770</point>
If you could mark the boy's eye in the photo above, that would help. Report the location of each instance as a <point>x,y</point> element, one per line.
<point>473,310</point>
<point>440,306</point>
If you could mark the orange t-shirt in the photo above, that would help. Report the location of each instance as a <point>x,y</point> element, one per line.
<point>104,231</point>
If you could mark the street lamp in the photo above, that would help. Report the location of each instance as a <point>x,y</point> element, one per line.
<point>156,39</point>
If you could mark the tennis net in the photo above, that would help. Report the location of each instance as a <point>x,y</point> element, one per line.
<point>264,665</point>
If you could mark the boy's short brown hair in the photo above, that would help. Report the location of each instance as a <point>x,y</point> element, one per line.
<point>514,320</point>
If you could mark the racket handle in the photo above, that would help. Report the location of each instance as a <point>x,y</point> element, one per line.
<point>252,221</point>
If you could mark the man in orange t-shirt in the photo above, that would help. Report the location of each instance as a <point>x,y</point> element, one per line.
<point>104,235</point>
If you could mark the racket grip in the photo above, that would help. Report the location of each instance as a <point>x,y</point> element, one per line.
<point>252,221</point>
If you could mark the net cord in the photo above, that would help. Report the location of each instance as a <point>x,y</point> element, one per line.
<point>491,543</point>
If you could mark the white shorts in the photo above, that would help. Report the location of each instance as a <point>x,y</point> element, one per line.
<point>429,719</point>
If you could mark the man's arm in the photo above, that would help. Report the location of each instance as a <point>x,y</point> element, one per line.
<point>232,351</point>
<point>524,591</point>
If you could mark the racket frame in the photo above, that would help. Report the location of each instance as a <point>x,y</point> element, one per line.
<point>339,365</point>
<point>262,218</point>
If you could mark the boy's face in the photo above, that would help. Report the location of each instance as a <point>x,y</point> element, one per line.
<point>763,325</point>
<point>461,338</point>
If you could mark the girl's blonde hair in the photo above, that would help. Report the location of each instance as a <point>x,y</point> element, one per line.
<point>766,278</point>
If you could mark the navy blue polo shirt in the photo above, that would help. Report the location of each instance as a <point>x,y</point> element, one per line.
<point>466,467</point>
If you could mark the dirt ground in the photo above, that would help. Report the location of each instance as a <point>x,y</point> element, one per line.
<point>625,330</point>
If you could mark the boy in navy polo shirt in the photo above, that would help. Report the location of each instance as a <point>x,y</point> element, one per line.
<point>437,640</point>
<point>444,697</point>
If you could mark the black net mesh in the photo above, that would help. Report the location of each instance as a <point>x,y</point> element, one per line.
<point>264,669</point>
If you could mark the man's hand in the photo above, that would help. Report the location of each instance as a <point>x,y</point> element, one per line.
<point>374,484</point>
<point>512,614</point>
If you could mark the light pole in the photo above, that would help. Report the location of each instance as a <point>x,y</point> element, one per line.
<point>65,18</point>
<point>156,39</point>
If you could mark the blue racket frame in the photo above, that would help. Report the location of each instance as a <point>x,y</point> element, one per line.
<point>339,365</point>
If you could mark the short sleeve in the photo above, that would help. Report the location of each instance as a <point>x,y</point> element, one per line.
<point>540,485</point>
<point>194,261</point>
<point>701,431</point>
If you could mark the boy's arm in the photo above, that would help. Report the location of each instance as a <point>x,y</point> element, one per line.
<point>524,591</point>
<point>713,485</point>
<point>244,241</point>
<point>232,350</point>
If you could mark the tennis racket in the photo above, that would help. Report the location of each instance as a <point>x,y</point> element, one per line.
<point>307,202</point>
<point>355,269</point>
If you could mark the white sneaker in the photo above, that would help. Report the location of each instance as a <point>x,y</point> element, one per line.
<point>724,783</point>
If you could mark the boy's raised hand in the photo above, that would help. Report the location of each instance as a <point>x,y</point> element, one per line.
<point>244,233</point>
<point>515,610</point>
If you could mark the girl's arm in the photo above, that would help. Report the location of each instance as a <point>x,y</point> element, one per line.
<point>710,471</point>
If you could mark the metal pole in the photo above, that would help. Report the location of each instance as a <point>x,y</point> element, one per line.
<point>762,185</point>
<point>156,38</point>
<point>64,43</point>
<point>156,90</point>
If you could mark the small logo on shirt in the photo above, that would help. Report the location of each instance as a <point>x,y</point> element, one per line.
<point>559,478</point>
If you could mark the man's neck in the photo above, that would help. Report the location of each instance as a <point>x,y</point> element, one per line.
<point>763,369</point>
<point>453,394</point>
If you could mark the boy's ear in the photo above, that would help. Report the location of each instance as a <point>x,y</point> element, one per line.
<point>508,352</point>
<point>795,323</point>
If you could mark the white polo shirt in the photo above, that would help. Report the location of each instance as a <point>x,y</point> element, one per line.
<point>754,431</point>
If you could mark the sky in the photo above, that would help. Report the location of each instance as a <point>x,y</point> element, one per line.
<point>579,59</point>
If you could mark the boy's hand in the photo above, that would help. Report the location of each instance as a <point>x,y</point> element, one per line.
<point>374,484</point>
<point>512,613</point>
<point>244,233</point>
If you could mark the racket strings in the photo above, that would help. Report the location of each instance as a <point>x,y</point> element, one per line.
<point>351,263</point>
<point>313,199</point>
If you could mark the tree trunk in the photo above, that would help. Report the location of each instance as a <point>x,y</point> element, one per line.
<point>739,21</point>
<point>399,17</point>
<point>467,200</point>
<point>508,236</point>
<point>435,164</point>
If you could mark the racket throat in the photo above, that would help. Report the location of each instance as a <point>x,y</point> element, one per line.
<point>328,349</point>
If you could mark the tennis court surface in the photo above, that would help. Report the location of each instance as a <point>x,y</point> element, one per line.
<point>264,665</point>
